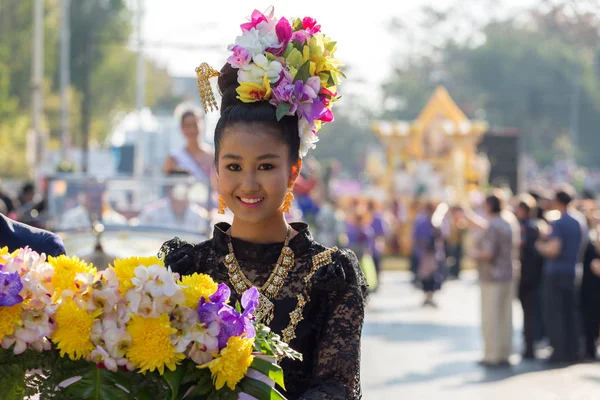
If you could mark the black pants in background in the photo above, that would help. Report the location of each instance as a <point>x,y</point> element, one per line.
<point>561,316</point>
<point>591,330</point>
<point>530,299</point>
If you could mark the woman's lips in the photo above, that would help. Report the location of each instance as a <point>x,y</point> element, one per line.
<point>250,201</point>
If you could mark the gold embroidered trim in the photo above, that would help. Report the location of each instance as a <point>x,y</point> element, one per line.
<point>319,260</point>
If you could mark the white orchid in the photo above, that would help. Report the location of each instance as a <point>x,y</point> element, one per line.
<point>101,356</point>
<point>254,72</point>
<point>117,342</point>
<point>307,137</point>
<point>161,281</point>
<point>166,304</point>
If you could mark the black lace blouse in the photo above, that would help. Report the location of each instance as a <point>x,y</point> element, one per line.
<point>329,335</point>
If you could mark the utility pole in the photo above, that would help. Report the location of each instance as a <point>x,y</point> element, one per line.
<point>65,78</point>
<point>574,112</point>
<point>37,76</point>
<point>138,168</point>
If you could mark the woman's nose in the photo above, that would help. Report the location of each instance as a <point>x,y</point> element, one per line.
<point>249,182</point>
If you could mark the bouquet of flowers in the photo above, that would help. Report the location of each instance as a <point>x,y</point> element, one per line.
<point>133,331</point>
<point>291,64</point>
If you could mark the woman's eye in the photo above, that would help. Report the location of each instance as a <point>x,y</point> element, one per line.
<point>234,167</point>
<point>265,167</point>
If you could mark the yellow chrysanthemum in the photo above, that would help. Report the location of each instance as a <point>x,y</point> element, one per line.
<point>10,317</point>
<point>231,365</point>
<point>196,286</point>
<point>65,270</point>
<point>73,330</point>
<point>151,346</point>
<point>124,269</point>
<point>4,251</point>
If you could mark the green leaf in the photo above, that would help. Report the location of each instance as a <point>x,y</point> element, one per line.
<point>288,50</point>
<point>270,56</point>
<point>282,110</point>
<point>330,81</point>
<point>303,72</point>
<point>298,25</point>
<point>330,46</point>
<point>173,379</point>
<point>238,307</point>
<point>259,390</point>
<point>12,383</point>
<point>269,369</point>
<point>98,383</point>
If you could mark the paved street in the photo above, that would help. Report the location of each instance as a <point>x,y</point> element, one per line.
<point>410,352</point>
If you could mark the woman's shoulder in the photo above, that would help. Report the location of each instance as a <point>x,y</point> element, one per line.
<point>182,257</point>
<point>336,268</point>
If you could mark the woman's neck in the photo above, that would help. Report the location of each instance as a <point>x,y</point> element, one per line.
<point>273,230</point>
<point>193,147</point>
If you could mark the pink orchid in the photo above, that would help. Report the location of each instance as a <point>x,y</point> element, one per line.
<point>284,34</point>
<point>240,57</point>
<point>310,25</point>
<point>256,18</point>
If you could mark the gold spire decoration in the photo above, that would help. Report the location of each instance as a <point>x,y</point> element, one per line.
<point>204,73</point>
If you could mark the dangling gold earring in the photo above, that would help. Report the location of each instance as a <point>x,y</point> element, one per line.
<point>222,205</point>
<point>287,202</point>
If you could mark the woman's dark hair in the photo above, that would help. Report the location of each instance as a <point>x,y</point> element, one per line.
<point>261,112</point>
<point>494,203</point>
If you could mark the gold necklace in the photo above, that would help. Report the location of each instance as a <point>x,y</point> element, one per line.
<point>265,310</point>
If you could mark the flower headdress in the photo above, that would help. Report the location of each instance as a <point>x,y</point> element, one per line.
<point>290,64</point>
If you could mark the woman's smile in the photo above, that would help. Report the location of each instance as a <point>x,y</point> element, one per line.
<point>250,201</point>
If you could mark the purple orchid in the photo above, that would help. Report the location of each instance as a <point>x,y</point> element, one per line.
<point>250,300</point>
<point>305,98</point>
<point>302,36</point>
<point>230,322</point>
<point>10,286</point>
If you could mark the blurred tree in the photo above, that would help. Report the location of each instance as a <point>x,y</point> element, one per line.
<point>536,72</point>
<point>103,73</point>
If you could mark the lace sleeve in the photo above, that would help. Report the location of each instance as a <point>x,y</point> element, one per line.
<point>337,355</point>
<point>179,255</point>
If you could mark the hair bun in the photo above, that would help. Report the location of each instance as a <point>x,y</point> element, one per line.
<point>228,84</point>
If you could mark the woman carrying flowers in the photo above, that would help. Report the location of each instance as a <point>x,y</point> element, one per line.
<point>277,89</point>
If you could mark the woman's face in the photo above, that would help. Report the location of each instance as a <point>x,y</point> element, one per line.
<point>190,128</point>
<point>254,171</point>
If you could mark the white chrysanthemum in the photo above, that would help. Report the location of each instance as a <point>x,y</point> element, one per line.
<point>257,40</point>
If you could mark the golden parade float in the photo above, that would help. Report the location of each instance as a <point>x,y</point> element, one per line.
<point>433,158</point>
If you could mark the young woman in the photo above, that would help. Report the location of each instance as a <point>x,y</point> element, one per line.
<point>312,295</point>
<point>194,158</point>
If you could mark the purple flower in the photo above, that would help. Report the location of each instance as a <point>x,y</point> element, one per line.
<point>10,286</point>
<point>230,322</point>
<point>306,99</point>
<point>302,36</point>
<point>250,300</point>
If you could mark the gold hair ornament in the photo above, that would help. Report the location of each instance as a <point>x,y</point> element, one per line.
<point>204,73</point>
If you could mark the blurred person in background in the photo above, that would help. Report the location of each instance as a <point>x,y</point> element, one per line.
<point>455,242</point>
<point>175,211</point>
<point>493,252</point>
<point>330,225</point>
<point>561,250</point>
<point>92,204</point>
<point>195,158</point>
<point>380,229</point>
<point>426,239</point>
<point>531,272</point>
<point>9,202</point>
<point>16,235</point>
<point>590,289</point>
